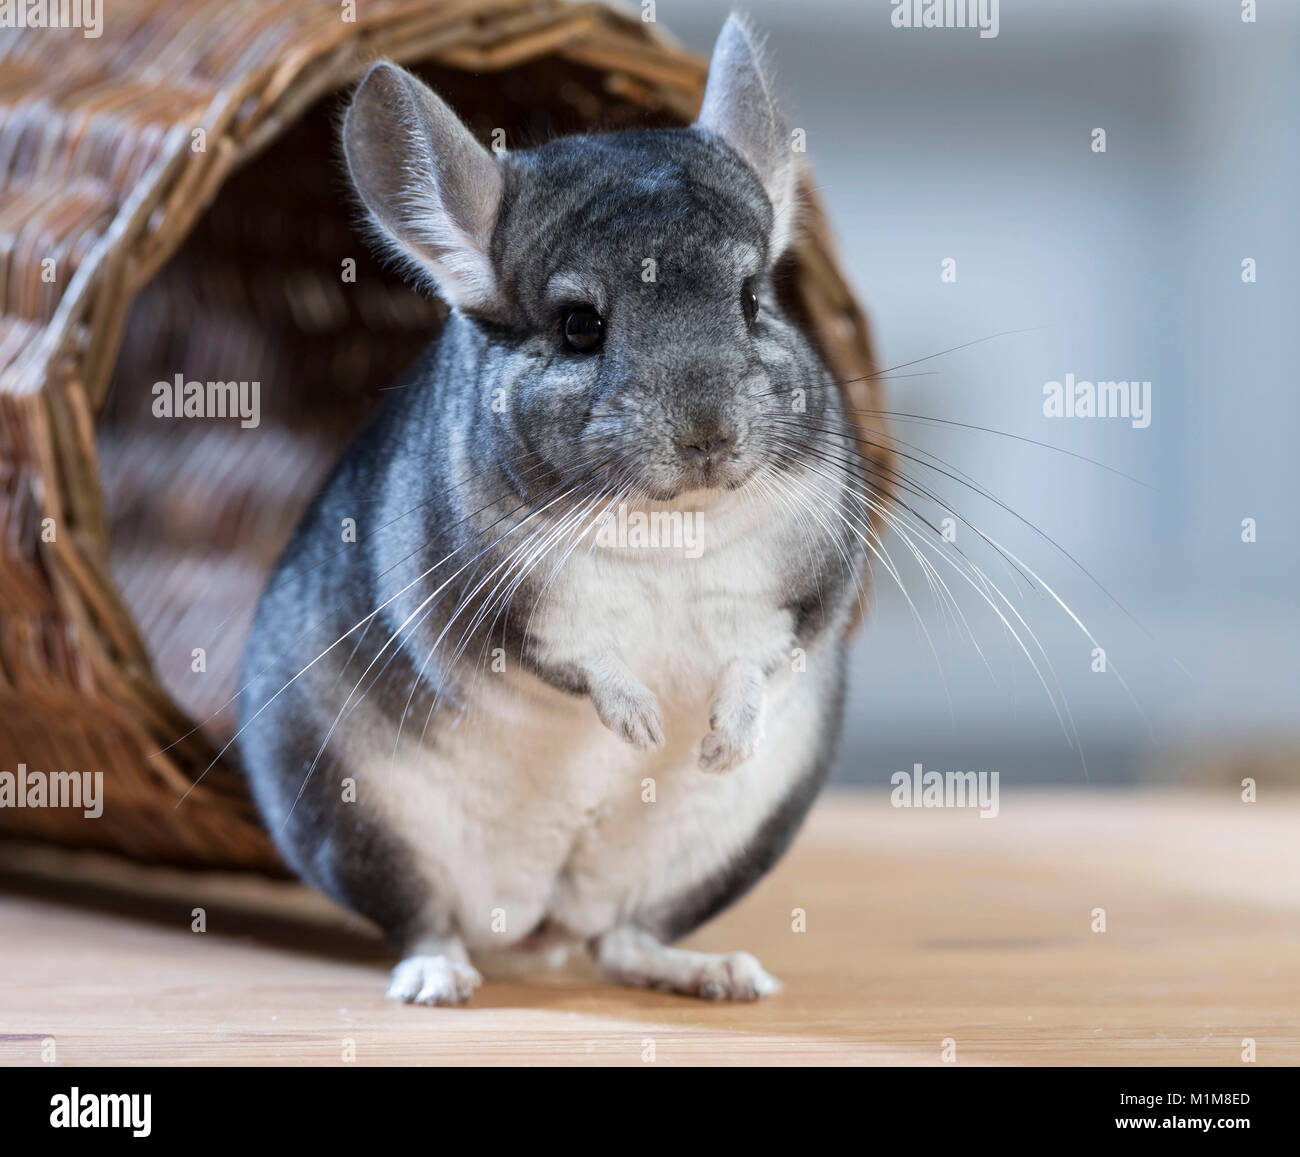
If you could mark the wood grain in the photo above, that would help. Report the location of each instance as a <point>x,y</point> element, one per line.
<point>921,925</point>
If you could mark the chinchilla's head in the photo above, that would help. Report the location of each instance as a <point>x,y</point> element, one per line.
<point>620,284</point>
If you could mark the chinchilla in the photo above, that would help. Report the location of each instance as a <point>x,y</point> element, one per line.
<point>581,673</point>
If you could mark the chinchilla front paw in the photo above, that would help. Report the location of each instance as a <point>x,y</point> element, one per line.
<point>736,719</point>
<point>629,709</point>
<point>726,747</point>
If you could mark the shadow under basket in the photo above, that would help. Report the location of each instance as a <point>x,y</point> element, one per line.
<point>180,177</point>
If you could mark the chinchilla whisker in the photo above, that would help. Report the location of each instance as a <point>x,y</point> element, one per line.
<point>877,374</point>
<point>426,603</point>
<point>611,495</point>
<point>928,458</point>
<point>506,601</point>
<point>581,505</point>
<point>514,553</point>
<point>889,371</point>
<point>367,619</point>
<point>983,584</point>
<point>938,587</point>
<point>894,520</point>
<point>503,566</point>
<point>874,546</point>
<point>980,584</point>
<point>619,495</point>
<point>861,526</point>
<point>941,353</point>
<point>554,535</point>
<point>463,601</point>
<point>896,480</point>
<point>347,710</point>
<point>946,471</point>
<point>950,471</point>
<point>767,483</point>
<point>551,534</point>
<point>636,494</point>
<point>563,529</point>
<point>508,514</point>
<point>1060,602</point>
<point>834,384</point>
<point>473,476</point>
<point>781,490</point>
<point>930,419</point>
<point>411,554</point>
<point>340,639</point>
<point>983,580</point>
<point>1028,574</point>
<point>234,697</point>
<point>882,509</point>
<point>782,486</point>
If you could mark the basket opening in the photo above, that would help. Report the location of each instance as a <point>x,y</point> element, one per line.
<point>199,508</point>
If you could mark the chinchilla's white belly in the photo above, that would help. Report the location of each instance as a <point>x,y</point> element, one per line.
<point>537,811</point>
<point>528,809</point>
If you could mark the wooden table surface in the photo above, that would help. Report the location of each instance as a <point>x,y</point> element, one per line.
<point>921,926</point>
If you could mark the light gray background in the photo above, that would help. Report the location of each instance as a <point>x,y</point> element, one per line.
<point>929,144</point>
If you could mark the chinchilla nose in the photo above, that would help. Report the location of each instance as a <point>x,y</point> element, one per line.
<point>708,440</point>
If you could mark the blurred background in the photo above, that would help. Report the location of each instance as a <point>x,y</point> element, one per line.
<point>935,144</point>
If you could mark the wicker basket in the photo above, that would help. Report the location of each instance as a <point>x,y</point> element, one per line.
<point>172,202</point>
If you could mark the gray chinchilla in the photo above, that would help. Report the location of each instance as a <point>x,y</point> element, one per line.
<point>581,676</point>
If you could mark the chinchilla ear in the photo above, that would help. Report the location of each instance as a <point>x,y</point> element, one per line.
<point>739,108</point>
<point>431,190</point>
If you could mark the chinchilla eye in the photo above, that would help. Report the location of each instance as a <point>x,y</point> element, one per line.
<point>583,329</point>
<point>749,302</point>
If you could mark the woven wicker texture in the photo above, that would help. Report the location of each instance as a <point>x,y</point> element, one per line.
<point>171,201</point>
